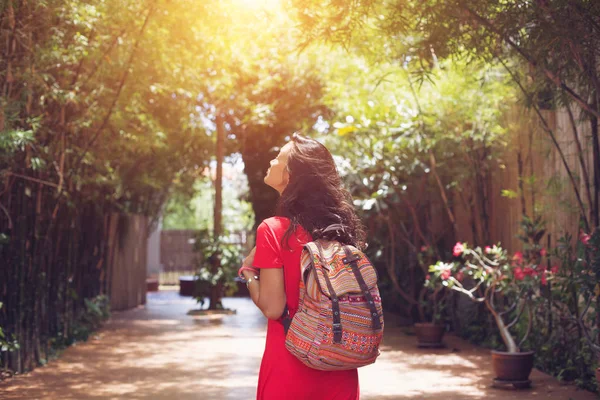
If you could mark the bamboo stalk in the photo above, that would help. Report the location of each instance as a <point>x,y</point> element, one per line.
<point>557,146</point>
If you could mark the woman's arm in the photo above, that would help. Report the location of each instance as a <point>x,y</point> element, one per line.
<point>268,293</point>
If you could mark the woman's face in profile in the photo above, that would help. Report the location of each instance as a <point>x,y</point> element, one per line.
<point>277,175</point>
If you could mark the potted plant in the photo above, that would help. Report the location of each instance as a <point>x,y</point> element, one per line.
<point>432,300</point>
<point>430,334</point>
<point>216,269</point>
<point>506,285</point>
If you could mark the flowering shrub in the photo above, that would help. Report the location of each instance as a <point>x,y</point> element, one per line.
<point>581,274</point>
<point>506,284</point>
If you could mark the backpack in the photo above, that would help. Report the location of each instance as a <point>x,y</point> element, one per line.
<point>339,322</point>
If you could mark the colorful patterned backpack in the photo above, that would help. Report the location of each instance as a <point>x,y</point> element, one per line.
<point>339,322</point>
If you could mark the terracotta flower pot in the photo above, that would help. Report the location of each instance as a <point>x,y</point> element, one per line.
<point>429,334</point>
<point>513,368</point>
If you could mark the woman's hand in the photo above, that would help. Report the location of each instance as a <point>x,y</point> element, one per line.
<point>250,259</point>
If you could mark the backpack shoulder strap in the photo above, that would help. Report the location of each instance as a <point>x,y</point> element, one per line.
<point>335,304</point>
<point>352,259</point>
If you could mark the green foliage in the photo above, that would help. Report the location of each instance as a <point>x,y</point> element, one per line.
<point>7,344</point>
<point>566,314</point>
<point>196,212</point>
<point>449,128</point>
<point>89,319</point>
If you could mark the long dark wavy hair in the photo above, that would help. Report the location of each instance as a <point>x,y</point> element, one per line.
<point>315,197</point>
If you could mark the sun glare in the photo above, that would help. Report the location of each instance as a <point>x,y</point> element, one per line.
<point>261,4</point>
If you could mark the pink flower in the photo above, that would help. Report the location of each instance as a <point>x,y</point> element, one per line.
<point>528,271</point>
<point>543,252</point>
<point>446,274</point>
<point>488,249</point>
<point>541,270</point>
<point>518,257</point>
<point>519,275</point>
<point>424,248</point>
<point>458,249</point>
<point>460,276</point>
<point>544,280</point>
<point>584,237</point>
<point>427,276</point>
<point>554,269</point>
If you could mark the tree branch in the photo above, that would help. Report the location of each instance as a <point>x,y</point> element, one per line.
<point>584,328</point>
<point>118,93</point>
<point>36,180</point>
<point>529,325</point>
<point>549,74</point>
<point>584,170</point>
<point>516,319</point>
<point>391,267</point>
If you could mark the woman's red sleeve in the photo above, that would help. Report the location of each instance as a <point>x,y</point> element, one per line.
<point>268,248</point>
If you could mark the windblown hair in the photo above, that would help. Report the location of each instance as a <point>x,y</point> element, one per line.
<point>315,197</point>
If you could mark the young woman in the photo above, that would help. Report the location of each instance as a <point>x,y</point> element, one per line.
<point>312,198</point>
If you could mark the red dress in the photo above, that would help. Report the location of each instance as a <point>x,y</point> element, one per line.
<point>283,376</point>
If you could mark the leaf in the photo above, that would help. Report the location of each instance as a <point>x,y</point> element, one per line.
<point>510,194</point>
<point>346,130</point>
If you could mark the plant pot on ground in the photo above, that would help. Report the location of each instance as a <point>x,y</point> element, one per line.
<point>506,286</point>
<point>513,368</point>
<point>429,334</point>
<point>431,307</point>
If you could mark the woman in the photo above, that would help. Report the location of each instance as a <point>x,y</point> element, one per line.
<point>311,199</point>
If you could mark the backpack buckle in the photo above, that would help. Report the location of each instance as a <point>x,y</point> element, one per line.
<point>350,259</point>
<point>337,333</point>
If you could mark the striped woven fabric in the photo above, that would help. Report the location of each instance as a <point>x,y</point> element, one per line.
<point>311,335</point>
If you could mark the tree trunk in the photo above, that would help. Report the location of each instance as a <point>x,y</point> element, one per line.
<point>215,290</point>
<point>511,345</point>
<point>596,158</point>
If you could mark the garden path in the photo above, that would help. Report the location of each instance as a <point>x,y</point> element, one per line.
<point>158,352</point>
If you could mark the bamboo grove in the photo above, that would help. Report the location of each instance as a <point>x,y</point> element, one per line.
<point>83,118</point>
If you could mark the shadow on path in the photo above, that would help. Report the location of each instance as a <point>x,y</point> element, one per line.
<point>159,352</point>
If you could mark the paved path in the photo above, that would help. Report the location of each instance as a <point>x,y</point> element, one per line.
<point>159,352</point>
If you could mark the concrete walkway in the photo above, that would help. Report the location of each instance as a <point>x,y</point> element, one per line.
<point>158,352</point>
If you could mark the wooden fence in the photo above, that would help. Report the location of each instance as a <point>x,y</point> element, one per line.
<point>531,165</point>
<point>126,260</point>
